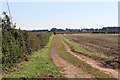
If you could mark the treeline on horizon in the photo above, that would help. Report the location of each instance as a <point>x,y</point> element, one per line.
<point>86,30</point>
<point>18,44</point>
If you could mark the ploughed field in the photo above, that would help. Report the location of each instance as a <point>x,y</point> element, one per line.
<point>104,46</point>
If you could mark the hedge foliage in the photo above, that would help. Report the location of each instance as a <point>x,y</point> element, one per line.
<point>18,44</point>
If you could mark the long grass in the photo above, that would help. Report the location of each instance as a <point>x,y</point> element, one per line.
<point>39,63</point>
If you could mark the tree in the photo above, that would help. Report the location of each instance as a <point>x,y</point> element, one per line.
<point>6,22</point>
<point>53,29</point>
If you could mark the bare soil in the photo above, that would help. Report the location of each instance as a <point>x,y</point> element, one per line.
<point>67,69</point>
<point>104,46</point>
<point>92,62</point>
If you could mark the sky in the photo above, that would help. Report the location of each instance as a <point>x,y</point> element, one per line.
<point>61,0</point>
<point>76,15</point>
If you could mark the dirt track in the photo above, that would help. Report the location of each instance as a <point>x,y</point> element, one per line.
<point>67,69</point>
<point>92,62</point>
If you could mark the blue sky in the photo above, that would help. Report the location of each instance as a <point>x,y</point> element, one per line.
<point>45,15</point>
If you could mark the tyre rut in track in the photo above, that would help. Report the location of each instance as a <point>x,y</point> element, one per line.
<point>91,62</point>
<point>67,69</point>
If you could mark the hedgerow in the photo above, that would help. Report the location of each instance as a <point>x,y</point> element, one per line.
<point>18,44</point>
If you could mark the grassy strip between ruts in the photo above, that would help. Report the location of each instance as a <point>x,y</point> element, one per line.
<point>77,62</point>
<point>39,64</point>
<point>74,47</point>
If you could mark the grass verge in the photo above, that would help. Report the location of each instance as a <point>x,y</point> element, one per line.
<point>106,61</point>
<point>39,64</point>
<point>74,47</point>
<point>77,62</point>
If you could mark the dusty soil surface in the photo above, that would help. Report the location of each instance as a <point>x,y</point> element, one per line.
<point>106,44</point>
<point>92,62</point>
<point>67,69</point>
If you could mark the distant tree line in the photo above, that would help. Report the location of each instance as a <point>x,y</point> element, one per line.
<point>39,30</point>
<point>85,30</point>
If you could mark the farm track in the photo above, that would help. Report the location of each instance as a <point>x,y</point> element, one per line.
<point>91,62</point>
<point>67,69</point>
